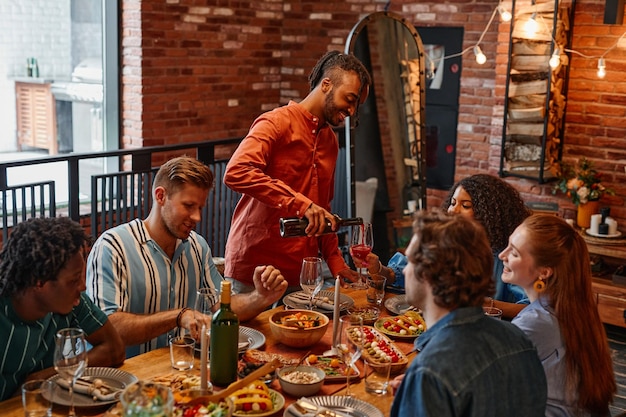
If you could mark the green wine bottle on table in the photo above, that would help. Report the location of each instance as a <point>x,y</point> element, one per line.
<point>224,341</point>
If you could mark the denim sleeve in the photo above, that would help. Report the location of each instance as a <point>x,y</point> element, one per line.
<point>421,394</point>
<point>397,263</point>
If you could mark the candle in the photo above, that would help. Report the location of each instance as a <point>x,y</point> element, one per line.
<point>336,311</point>
<point>596,219</point>
<point>204,350</point>
<point>612,226</point>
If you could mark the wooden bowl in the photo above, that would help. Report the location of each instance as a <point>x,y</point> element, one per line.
<point>298,333</point>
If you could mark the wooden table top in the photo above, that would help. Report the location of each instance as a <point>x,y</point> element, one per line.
<point>157,363</point>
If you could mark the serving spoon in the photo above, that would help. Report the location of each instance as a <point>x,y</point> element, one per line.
<point>252,376</point>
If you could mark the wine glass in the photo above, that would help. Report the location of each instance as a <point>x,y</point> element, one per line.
<point>361,244</point>
<point>70,358</point>
<point>206,298</point>
<point>311,277</point>
<point>350,343</point>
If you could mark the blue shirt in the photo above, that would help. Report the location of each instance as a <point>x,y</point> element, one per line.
<point>542,327</point>
<point>27,347</point>
<point>472,365</point>
<point>127,271</point>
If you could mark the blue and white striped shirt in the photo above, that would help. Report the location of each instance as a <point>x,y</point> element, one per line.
<point>127,271</point>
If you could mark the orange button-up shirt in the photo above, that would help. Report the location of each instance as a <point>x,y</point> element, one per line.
<point>286,161</point>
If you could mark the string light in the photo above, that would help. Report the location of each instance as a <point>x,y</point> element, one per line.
<point>555,59</point>
<point>505,15</point>
<point>480,57</point>
<point>601,68</point>
<point>533,26</point>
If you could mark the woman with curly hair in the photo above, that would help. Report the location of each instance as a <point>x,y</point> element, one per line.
<point>550,260</point>
<point>498,206</point>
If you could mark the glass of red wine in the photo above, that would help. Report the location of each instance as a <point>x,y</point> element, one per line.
<point>361,244</point>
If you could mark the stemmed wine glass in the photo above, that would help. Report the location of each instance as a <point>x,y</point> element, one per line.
<point>206,298</point>
<point>350,343</point>
<point>311,277</point>
<point>70,358</point>
<point>361,244</point>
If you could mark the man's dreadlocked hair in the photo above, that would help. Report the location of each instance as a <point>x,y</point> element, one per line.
<point>328,65</point>
<point>37,250</point>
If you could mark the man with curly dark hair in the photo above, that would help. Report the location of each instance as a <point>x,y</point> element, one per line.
<point>42,279</point>
<point>466,358</point>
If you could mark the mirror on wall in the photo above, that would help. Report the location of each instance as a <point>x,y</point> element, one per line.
<point>393,116</point>
<point>389,141</point>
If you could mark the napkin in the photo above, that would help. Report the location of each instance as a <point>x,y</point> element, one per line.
<point>303,300</point>
<point>87,388</point>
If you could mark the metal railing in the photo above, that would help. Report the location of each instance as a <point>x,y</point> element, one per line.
<point>120,195</point>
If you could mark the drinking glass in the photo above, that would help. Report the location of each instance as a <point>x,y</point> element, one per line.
<point>350,344</point>
<point>311,277</point>
<point>361,244</point>
<point>70,358</point>
<point>206,298</point>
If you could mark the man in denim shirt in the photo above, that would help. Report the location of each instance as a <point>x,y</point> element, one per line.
<point>468,364</point>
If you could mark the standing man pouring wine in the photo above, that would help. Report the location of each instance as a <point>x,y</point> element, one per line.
<point>285,167</point>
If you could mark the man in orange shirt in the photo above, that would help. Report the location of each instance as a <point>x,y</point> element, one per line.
<point>285,167</point>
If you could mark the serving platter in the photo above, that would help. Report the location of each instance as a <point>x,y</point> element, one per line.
<point>277,400</point>
<point>333,373</point>
<point>115,378</point>
<point>348,406</point>
<point>405,326</point>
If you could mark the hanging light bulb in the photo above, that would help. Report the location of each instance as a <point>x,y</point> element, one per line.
<point>505,15</point>
<point>555,60</point>
<point>480,57</point>
<point>601,68</point>
<point>531,24</point>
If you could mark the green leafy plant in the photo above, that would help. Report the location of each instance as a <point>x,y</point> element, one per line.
<point>581,183</point>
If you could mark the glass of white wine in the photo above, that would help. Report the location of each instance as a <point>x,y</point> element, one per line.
<point>70,358</point>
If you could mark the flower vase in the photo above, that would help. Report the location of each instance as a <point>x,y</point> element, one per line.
<point>585,211</point>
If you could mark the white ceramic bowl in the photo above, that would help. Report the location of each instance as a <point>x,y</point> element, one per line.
<point>301,389</point>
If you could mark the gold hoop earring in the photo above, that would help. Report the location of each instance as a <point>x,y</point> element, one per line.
<point>539,285</point>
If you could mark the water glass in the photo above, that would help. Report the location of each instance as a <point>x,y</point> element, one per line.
<point>376,289</point>
<point>494,312</point>
<point>181,352</point>
<point>377,376</point>
<point>36,398</point>
<point>147,399</point>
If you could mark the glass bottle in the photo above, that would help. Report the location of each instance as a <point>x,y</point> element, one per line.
<point>224,340</point>
<point>295,226</point>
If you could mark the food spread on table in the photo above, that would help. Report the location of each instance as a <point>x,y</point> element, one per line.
<point>333,367</point>
<point>301,320</point>
<point>408,325</point>
<point>254,399</point>
<point>378,348</point>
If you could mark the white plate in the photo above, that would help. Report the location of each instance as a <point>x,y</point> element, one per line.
<point>110,376</point>
<point>279,403</point>
<point>398,304</point>
<point>253,339</point>
<point>297,300</point>
<point>590,233</point>
<point>350,406</point>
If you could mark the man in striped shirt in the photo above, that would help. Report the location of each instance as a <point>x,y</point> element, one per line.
<point>144,274</point>
<point>42,276</point>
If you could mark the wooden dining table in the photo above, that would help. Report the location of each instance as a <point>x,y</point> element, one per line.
<point>157,363</point>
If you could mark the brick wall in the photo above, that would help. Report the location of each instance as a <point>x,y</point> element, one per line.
<point>194,72</point>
